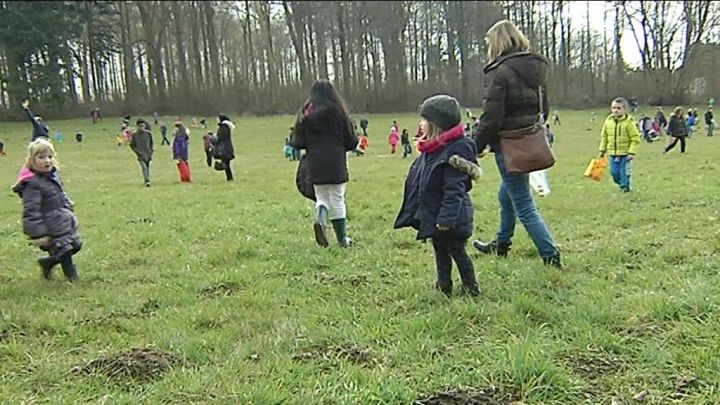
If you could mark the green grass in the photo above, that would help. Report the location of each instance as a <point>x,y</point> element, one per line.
<point>636,307</point>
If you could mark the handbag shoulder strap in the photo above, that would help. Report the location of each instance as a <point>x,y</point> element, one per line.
<point>541,120</point>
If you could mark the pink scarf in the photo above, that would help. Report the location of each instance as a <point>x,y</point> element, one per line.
<point>439,142</point>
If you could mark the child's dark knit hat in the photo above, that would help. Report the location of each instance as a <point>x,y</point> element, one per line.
<point>442,110</point>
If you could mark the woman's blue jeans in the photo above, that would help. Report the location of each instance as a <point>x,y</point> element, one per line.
<point>516,201</point>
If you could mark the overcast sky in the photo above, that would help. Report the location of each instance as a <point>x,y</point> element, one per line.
<point>631,54</point>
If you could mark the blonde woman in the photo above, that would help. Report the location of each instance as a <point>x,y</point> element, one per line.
<point>513,78</point>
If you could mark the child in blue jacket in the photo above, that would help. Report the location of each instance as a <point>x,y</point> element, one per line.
<point>436,200</point>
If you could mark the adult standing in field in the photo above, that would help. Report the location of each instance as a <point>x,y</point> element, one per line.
<point>224,149</point>
<point>40,129</point>
<point>513,78</point>
<point>676,130</point>
<point>142,144</point>
<point>324,129</point>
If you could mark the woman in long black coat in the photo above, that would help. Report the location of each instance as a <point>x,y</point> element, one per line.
<point>224,149</point>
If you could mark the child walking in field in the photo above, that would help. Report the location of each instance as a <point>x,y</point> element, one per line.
<point>393,138</point>
<point>362,145</point>
<point>436,200</point>
<point>208,140</point>
<point>48,217</point>
<point>163,132</point>
<point>405,141</point>
<point>620,138</point>
<point>324,129</point>
<point>181,151</point>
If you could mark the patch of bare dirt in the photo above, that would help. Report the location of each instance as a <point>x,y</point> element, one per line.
<point>595,366</point>
<point>140,364</point>
<point>452,396</point>
<point>637,327</point>
<point>222,289</point>
<point>139,220</point>
<point>346,351</point>
<point>684,385</point>
<point>146,310</point>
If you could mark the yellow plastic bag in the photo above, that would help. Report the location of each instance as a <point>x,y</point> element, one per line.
<point>597,168</point>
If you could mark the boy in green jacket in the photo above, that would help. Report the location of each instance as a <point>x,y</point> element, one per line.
<point>620,139</point>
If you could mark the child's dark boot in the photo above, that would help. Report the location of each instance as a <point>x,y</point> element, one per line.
<point>319,227</point>
<point>471,289</point>
<point>71,273</point>
<point>445,288</point>
<point>339,225</point>
<point>47,263</point>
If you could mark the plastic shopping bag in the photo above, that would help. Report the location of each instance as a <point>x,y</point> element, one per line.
<point>597,168</point>
<point>539,182</point>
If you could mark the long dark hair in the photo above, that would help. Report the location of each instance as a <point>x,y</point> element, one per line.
<point>326,102</point>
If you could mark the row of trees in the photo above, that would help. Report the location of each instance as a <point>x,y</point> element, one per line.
<point>261,56</point>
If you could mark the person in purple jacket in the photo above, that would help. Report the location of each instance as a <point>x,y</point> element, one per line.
<point>180,150</point>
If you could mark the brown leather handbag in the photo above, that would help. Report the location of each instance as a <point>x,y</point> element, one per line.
<point>527,149</point>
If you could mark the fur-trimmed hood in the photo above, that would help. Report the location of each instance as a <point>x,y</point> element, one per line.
<point>229,124</point>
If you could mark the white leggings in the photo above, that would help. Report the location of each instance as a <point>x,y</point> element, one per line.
<point>332,196</point>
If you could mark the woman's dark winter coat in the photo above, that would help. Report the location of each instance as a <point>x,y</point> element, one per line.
<point>327,139</point>
<point>511,96</point>
<point>436,193</point>
<point>676,127</point>
<point>224,148</point>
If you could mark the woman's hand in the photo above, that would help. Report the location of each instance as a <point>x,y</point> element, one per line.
<point>441,227</point>
<point>26,104</point>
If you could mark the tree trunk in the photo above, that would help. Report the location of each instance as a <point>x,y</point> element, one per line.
<point>292,20</point>
<point>343,48</point>
<point>212,42</point>
<point>184,82</point>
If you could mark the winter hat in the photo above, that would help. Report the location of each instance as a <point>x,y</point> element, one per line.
<point>442,110</point>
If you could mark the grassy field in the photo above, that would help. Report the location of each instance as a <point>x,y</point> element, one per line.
<point>223,287</point>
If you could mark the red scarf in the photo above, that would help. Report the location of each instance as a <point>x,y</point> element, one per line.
<point>439,142</point>
<point>308,109</point>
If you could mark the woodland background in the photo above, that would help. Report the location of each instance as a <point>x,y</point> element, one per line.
<point>260,57</point>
